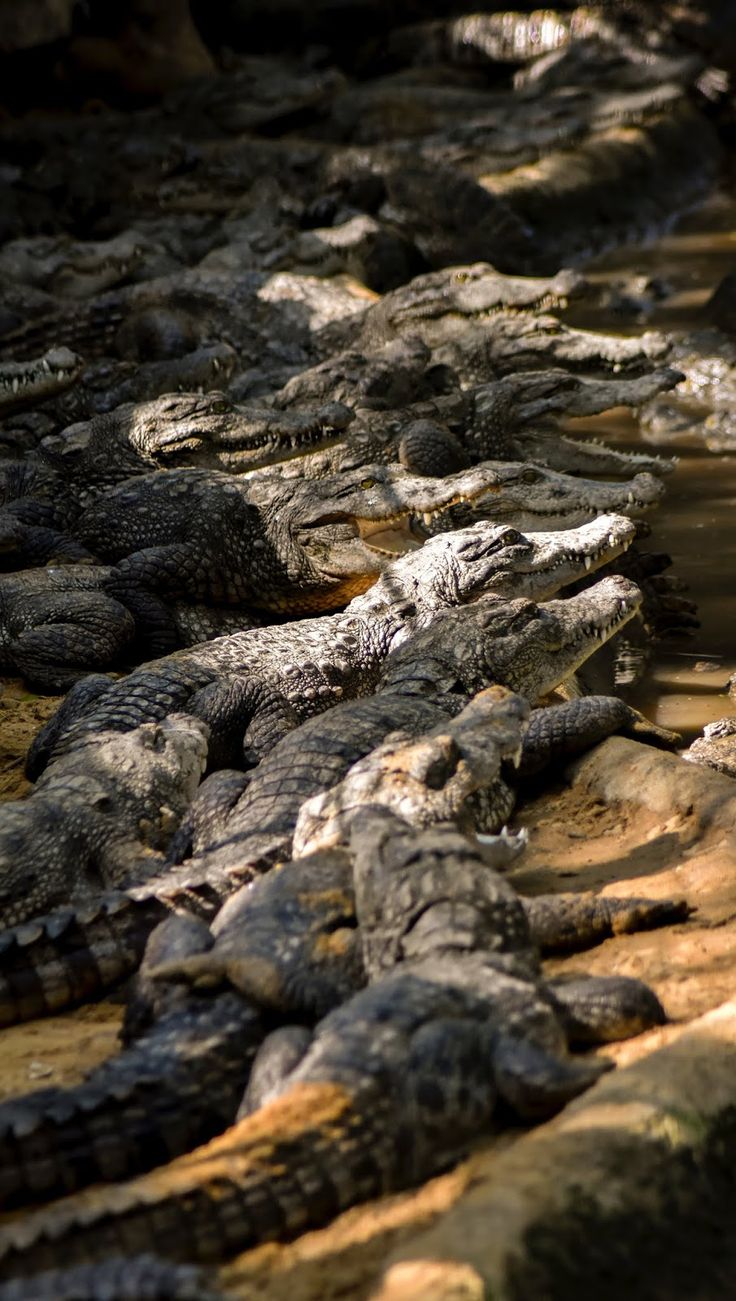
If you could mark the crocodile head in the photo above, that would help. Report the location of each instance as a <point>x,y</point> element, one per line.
<point>30,382</point>
<point>470,292</point>
<point>202,430</point>
<point>537,498</point>
<point>456,568</point>
<point>533,648</point>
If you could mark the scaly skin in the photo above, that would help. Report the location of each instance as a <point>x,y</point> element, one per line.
<point>100,818</point>
<point>284,545</point>
<point>207,431</point>
<point>506,420</point>
<point>73,954</point>
<point>396,1083</point>
<point>58,622</point>
<point>530,649</point>
<point>423,685</point>
<point>431,304</point>
<point>105,385</point>
<point>315,663</point>
<point>295,952</point>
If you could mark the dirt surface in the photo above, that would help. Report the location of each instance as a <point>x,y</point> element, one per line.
<point>21,715</point>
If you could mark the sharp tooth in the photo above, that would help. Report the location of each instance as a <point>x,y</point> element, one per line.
<point>588,562</point>
<point>16,384</point>
<point>630,499</point>
<point>427,517</point>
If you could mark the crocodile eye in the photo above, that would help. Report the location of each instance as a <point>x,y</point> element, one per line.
<point>368,483</point>
<point>530,476</point>
<point>461,277</point>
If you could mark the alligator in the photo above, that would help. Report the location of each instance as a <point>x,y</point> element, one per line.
<point>253,686</point>
<point>293,546</point>
<point>455,997</point>
<point>188,1053</point>
<point>100,818</point>
<point>26,383</point>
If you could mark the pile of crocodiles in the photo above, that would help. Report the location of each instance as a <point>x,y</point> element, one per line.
<point>291,511</point>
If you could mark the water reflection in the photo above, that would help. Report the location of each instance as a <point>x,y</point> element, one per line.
<point>684,686</point>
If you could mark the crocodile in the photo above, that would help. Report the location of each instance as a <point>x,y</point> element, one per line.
<point>490,421</point>
<point>80,268</point>
<point>293,546</point>
<point>85,948</point>
<point>394,1085</point>
<point>205,431</point>
<point>449,775</point>
<point>716,748</point>
<point>188,1053</point>
<point>55,623</point>
<point>101,817</point>
<point>121,1278</point>
<point>251,687</point>
<point>61,622</point>
<point>247,825</point>
<point>26,383</point>
<point>104,385</point>
<point>269,320</point>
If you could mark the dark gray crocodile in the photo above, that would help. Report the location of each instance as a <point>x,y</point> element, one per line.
<point>100,818</point>
<point>181,1077</point>
<point>88,947</point>
<point>253,686</point>
<point>512,418</point>
<point>394,1085</point>
<point>121,1278</point>
<point>208,431</point>
<point>293,546</point>
<point>58,622</point>
<point>61,622</point>
<point>104,385</point>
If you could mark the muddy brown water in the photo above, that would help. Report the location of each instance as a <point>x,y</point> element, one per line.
<point>684,687</point>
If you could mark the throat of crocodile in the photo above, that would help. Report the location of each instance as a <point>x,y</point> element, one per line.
<point>323,598</point>
<point>384,534</point>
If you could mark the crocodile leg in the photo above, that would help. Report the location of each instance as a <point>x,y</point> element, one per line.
<point>246,719</point>
<point>564,923</point>
<point>53,656</point>
<point>600,1009</point>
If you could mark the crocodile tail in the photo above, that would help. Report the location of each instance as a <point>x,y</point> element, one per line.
<point>293,1165</point>
<point>178,1085</point>
<point>52,962</point>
